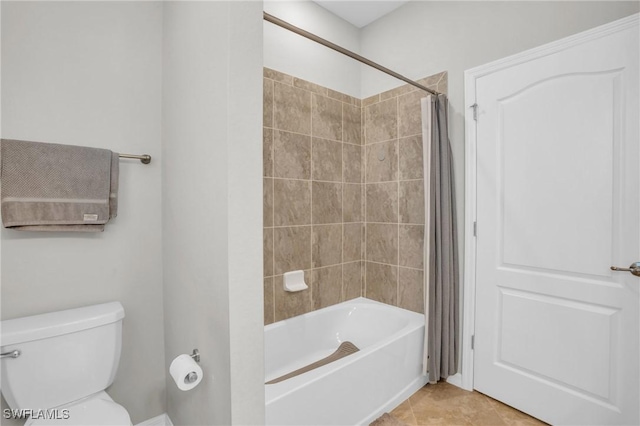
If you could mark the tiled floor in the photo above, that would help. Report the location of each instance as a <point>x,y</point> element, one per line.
<point>445,404</point>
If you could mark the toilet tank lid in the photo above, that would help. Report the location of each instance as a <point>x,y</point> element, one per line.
<point>36,327</point>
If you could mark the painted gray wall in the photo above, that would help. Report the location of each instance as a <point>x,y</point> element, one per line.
<point>246,316</point>
<point>212,214</point>
<point>89,73</point>
<point>295,55</point>
<point>423,38</point>
<point>97,74</point>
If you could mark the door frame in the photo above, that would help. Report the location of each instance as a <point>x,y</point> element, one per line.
<point>465,380</point>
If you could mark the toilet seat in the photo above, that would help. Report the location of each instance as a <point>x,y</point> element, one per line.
<point>96,410</point>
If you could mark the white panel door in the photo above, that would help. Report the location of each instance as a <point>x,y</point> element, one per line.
<point>558,189</point>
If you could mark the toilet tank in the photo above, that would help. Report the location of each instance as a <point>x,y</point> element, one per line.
<point>64,356</point>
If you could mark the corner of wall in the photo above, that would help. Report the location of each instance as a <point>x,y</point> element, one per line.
<point>211,207</point>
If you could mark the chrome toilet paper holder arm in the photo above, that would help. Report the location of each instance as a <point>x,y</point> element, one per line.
<point>193,376</point>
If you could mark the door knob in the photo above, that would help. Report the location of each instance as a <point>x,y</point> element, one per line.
<point>12,354</point>
<point>634,268</point>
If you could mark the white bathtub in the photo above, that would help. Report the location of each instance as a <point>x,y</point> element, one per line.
<point>356,389</point>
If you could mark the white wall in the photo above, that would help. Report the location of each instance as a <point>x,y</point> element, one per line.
<point>184,86</point>
<point>295,55</point>
<point>423,38</point>
<point>89,73</point>
<point>212,217</point>
<point>246,299</point>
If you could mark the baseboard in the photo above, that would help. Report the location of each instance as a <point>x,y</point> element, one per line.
<point>461,381</point>
<point>402,396</point>
<point>161,420</point>
<point>455,380</point>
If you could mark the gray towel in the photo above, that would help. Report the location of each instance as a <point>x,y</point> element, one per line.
<point>51,187</point>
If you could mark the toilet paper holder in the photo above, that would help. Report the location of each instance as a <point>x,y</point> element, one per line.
<point>191,377</point>
<point>186,371</point>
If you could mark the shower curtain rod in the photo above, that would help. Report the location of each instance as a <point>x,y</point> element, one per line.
<point>279,22</point>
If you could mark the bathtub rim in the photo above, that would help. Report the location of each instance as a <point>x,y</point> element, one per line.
<point>361,300</point>
<point>285,388</point>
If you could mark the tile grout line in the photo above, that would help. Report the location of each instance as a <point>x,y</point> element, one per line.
<point>488,399</point>
<point>363,194</point>
<point>330,266</point>
<point>342,293</point>
<point>311,91</point>
<point>324,139</point>
<point>311,210</point>
<point>334,224</point>
<point>309,224</point>
<point>398,176</point>
<point>395,266</point>
<point>273,195</point>
<point>316,180</point>
<point>348,183</point>
<point>412,412</point>
<point>362,207</point>
<point>388,181</point>
<point>399,223</point>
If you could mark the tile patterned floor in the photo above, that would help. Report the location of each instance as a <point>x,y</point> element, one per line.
<point>445,404</point>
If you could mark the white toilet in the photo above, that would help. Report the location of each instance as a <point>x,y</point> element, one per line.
<point>64,361</point>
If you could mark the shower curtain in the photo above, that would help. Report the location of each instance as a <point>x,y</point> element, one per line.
<point>441,341</point>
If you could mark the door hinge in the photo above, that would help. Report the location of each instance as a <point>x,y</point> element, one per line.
<point>475,229</point>
<point>473,341</point>
<point>475,112</point>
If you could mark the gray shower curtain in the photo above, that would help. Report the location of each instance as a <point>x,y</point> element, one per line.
<point>441,249</point>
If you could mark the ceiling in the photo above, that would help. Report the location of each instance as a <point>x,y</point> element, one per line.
<point>360,12</point>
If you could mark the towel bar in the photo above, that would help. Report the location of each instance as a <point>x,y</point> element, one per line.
<point>144,159</point>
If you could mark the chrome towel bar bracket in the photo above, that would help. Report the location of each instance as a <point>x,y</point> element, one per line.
<point>144,159</point>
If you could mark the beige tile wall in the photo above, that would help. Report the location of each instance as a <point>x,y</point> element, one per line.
<point>394,195</point>
<point>313,202</point>
<point>343,195</point>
